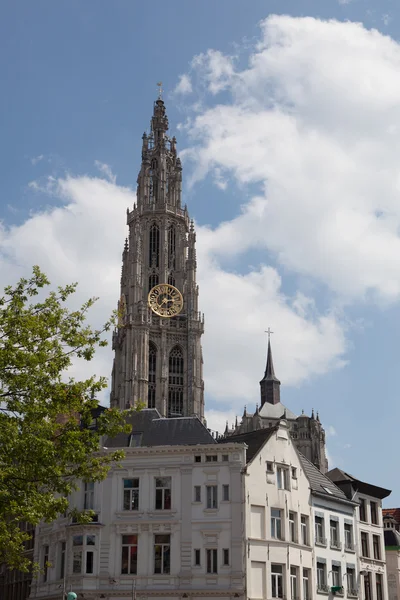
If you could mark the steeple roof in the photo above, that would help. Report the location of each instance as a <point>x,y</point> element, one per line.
<point>269,374</point>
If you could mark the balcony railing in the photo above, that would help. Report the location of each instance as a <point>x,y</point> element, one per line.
<point>336,544</point>
<point>322,587</point>
<point>352,593</point>
<point>320,541</point>
<point>349,546</point>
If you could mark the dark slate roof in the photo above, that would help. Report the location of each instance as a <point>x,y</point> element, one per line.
<point>352,485</point>
<point>319,482</point>
<point>149,429</point>
<point>269,374</point>
<point>253,439</point>
<point>392,538</point>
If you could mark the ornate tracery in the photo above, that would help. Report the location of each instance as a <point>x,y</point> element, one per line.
<point>151,396</point>
<point>175,382</point>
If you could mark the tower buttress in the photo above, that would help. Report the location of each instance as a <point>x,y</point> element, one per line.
<point>158,360</point>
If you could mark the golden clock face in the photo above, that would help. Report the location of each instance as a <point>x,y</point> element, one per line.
<point>165,300</point>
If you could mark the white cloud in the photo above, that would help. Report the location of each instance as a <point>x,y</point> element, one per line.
<point>36,159</point>
<point>105,170</point>
<point>314,120</point>
<point>184,85</point>
<point>215,69</point>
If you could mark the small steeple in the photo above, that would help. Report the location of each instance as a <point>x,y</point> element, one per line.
<point>270,384</point>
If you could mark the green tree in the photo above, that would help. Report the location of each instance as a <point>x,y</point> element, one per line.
<point>45,442</point>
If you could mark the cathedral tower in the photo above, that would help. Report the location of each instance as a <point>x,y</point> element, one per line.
<point>158,360</point>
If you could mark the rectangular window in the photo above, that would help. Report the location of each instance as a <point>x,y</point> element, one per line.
<point>293,583</point>
<point>379,586</point>
<point>212,458</point>
<point>131,494</point>
<point>334,530</point>
<point>282,477</point>
<point>225,458</point>
<point>197,493</point>
<point>374,513</point>
<point>336,576</point>
<point>197,458</point>
<point>321,577</point>
<point>197,561</point>
<point>45,562</point>
<point>88,503</point>
<point>367,587</point>
<point>270,467</point>
<point>351,582</point>
<point>277,581</point>
<point>163,493</point>
<point>212,560</point>
<point>62,548</point>
<point>89,562</point>
<point>363,512</point>
<point>225,493</point>
<point>320,531</point>
<point>162,554</point>
<point>376,544</point>
<point>348,536</point>
<point>294,473</point>
<point>276,523</point>
<point>225,557</point>
<point>129,555</point>
<point>364,544</point>
<point>77,561</point>
<point>306,584</point>
<point>292,527</point>
<point>304,530</point>
<point>212,496</point>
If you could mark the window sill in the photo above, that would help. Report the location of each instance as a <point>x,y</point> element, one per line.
<point>161,511</point>
<point>210,510</point>
<point>350,549</point>
<point>321,544</point>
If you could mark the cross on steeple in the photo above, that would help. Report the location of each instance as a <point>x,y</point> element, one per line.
<point>269,332</point>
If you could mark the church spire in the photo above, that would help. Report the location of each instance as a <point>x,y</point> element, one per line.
<point>270,384</point>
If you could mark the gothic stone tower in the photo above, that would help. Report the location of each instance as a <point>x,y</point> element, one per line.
<point>158,360</point>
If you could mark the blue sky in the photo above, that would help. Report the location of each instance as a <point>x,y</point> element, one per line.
<point>299,113</point>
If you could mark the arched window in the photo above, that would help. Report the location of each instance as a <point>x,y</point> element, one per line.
<point>154,246</point>
<point>175,382</point>
<point>153,280</point>
<point>171,247</point>
<point>151,395</point>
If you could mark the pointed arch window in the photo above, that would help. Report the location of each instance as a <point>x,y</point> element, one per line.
<point>153,279</point>
<point>151,395</point>
<point>171,246</point>
<point>175,382</point>
<point>154,246</point>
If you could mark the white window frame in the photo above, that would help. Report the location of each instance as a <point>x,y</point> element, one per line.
<point>304,530</point>
<point>292,526</point>
<point>212,497</point>
<point>165,485</point>
<point>129,545</point>
<point>165,547</point>
<point>306,584</point>
<point>88,495</point>
<point>276,524</point>
<point>282,477</point>
<point>277,581</point>
<point>293,583</point>
<point>320,530</point>
<point>131,493</point>
<point>225,492</point>
<point>211,561</point>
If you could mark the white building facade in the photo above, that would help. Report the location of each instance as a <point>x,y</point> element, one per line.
<point>369,533</point>
<point>168,523</point>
